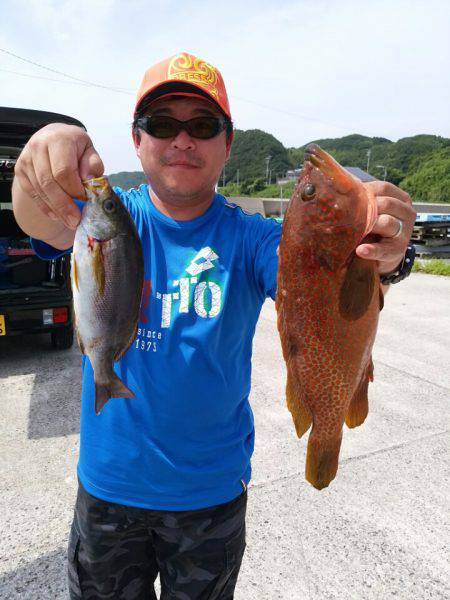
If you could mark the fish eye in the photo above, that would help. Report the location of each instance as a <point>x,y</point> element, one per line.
<point>308,192</point>
<point>109,205</point>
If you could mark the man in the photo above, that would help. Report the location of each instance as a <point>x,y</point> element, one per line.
<point>163,476</point>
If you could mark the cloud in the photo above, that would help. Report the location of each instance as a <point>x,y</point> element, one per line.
<point>301,70</point>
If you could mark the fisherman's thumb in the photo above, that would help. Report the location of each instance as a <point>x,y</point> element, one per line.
<point>90,164</point>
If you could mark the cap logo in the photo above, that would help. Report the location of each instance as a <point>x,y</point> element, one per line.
<point>185,67</point>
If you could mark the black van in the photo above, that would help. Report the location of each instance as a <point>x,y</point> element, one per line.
<point>35,294</point>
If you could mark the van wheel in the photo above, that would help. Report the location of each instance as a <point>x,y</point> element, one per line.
<point>62,338</point>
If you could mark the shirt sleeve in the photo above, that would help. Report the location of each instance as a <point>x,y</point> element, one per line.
<point>266,257</point>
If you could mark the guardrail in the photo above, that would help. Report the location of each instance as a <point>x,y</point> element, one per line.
<point>431,234</point>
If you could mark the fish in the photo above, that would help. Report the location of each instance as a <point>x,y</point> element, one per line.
<point>107,272</point>
<point>328,302</point>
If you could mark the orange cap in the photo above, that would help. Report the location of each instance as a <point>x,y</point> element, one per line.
<point>187,75</point>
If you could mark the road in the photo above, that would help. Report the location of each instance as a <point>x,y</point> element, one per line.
<point>379,531</point>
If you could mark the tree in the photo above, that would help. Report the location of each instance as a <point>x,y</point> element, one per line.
<point>429,178</point>
<point>249,152</point>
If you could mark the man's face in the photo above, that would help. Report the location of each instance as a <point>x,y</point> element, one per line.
<point>182,169</point>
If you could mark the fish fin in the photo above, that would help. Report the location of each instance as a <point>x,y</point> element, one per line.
<point>381,299</point>
<point>75,272</point>
<point>115,388</point>
<point>98,267</point>
<point>359,405</point>
<point>300,413</point>
<point>122,351</point>
<point>322,459</point>
<point>357,289</point>
<point>80,342</point>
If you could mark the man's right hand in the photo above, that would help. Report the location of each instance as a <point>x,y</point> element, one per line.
<point>48,174</point>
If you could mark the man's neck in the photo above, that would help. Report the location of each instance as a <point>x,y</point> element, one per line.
<point>180,212</point>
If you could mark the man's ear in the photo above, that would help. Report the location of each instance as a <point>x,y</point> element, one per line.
<point>137,141</point>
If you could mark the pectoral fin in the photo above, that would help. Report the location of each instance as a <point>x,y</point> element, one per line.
<point>359,405</point>
<point>80,341</point>
<point>357,289</point>
<point>299,411</point>
<point>98,267</point>
<point>75,273</point>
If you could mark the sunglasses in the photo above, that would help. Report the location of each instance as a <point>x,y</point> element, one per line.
<point>162,127</point>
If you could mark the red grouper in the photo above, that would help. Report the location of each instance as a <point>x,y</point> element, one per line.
<point>107,279</point>
<point>328,301</point>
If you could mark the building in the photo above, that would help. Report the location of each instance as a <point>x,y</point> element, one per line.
<point>293,174</point>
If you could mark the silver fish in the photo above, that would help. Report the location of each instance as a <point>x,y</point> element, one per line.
<point>107,279</point>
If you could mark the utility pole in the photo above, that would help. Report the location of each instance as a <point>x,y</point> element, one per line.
<point>267,168</point>
<point>369,152</point>
<point>385,171</point>
<point>237,177</point>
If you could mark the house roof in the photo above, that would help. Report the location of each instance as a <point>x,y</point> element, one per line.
<point>360,174</point>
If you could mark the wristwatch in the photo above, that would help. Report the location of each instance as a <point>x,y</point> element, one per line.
<point>404,269</point>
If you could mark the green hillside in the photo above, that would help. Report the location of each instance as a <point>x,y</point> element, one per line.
<point>429,177</point>
<point>249,152</point>
<point>419,164</point>
<point>127,179</point>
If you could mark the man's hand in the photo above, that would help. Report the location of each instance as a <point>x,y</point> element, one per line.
<point>49,172</point>
<point>395,222</point>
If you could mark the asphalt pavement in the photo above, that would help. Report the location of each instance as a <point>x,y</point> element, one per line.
<point>380,531</point>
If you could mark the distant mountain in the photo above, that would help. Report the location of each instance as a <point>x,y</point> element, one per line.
<point>350,150</point>
<point>127,179</point>
<point>419,164</point>
<point>428,178</point>
<point>249,155</point>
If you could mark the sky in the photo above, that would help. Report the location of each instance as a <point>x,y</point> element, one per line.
<point>300,70</point>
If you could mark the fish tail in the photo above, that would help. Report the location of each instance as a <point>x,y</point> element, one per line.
<point>322,460</point>
<point>359,405</point>
<point>300,413</point>
<point>114,388</point>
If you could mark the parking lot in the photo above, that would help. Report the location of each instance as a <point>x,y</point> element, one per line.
<point>379,531</point>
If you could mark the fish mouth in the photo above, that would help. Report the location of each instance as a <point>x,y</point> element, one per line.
<point>320,159</point>
<point>97,187</point>
<point>343,181</point>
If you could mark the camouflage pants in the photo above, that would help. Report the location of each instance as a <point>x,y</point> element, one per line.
<point>116,552</point>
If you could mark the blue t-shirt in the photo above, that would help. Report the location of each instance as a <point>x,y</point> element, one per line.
<point>185,441</point>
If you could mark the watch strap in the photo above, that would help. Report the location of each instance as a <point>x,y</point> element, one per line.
<point>403,270</point>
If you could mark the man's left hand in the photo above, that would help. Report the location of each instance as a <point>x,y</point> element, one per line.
<point>395,222</point>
